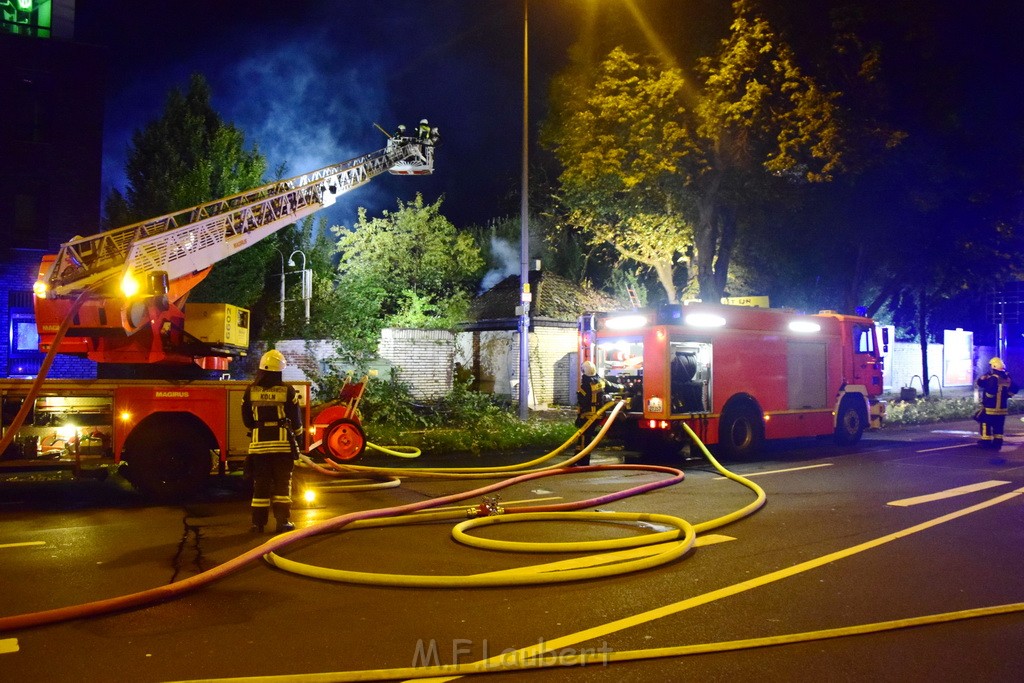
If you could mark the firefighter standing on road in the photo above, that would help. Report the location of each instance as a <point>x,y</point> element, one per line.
<point>589,398</point>
<point>271,411</point>
<point>996,389</point>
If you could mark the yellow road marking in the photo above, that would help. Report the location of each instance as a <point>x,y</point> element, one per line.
<point>21,545</point>
<point>8,645</point>
<point>948,493</point>
<point>699,600</point>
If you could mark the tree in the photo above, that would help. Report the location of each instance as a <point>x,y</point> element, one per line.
<point>186,157</point>
<point>651,160</point>
<point>617,140</point>
<point>408,267</point>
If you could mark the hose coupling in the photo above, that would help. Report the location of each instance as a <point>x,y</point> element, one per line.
<point>487,508</point>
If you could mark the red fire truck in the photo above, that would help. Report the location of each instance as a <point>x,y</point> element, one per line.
<point>736,375</point>
<point>120,297</point>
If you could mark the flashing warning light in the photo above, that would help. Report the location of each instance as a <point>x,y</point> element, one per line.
<point>309,495</point>
<point>626,322</point>
<point>39,288</point>
<point>804,326</point>
<point>125,416</point>
<point>129,285</point>
<point>704,320</point>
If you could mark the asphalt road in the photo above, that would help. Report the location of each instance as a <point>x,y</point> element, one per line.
<point>909,523</point>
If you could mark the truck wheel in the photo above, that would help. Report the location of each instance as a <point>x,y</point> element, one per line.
<point>850,421</point>
<point>740,431</point>
<point>168,459</point>
<point>344,439</point>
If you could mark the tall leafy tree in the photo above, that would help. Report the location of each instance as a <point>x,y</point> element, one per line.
<point>659,160</point>
<point>618,139</point>
<point>408,268</point>
<point>187,156</point>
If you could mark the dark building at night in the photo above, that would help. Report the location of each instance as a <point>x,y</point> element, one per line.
<point>51,133</point>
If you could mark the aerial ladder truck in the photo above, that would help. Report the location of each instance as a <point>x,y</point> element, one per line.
<point>120,297</point>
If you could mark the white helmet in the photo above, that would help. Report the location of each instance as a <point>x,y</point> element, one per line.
<point>273,361</point>
<point>589,369</point>
<point>423,122</point>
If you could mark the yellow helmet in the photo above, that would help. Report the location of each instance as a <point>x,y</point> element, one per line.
<point>273,361</point>
<point>589,369</point>
<point>997,364</point>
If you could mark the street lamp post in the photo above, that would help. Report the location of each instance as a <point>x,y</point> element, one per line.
<point>524,235</point>
<point>307,280</point>
<point>282,285</point>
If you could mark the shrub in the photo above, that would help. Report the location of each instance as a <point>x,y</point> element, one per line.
<point>928,410</point>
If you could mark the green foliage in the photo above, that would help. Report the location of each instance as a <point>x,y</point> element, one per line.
<point>389,402</point>
<point>618,139</point>
<point>464,421</point>
<point>189,156</point>
<point>407,266</point>
<point>655,163</point>
<point>931,409</point>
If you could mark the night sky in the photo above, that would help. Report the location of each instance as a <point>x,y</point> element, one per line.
<point>306,80</point>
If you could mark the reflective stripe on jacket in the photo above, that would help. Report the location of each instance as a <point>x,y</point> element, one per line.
<point>996,390</point>
<point>590,395</point>
<point>269,412</point>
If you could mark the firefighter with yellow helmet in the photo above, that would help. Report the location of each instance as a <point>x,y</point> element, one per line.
<point>272,412</point>
<point>590,396</point>
<point>996,389</point>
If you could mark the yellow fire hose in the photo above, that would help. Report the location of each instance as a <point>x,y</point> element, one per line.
<point>642,552</point>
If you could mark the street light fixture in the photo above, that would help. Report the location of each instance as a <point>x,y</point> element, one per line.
<point>307,280</point>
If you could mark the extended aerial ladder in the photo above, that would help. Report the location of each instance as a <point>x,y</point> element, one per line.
<point>138,276</point>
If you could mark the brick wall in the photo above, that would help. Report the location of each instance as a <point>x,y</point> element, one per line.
<point>424,359</point>
<point>493,357</point>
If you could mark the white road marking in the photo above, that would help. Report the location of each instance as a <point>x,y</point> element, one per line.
<point>948,493</point>
<point>789,469</point>
<point>946,448</point>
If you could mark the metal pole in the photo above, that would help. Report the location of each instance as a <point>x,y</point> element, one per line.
<point>282,286</point>
<point>524,237</point>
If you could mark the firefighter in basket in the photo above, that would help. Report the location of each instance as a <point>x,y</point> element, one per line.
<point>996,389</point>
<point>589,398</point>
<point>271,411</point>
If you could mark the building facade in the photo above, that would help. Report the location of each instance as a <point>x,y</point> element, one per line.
<point>51,144</point>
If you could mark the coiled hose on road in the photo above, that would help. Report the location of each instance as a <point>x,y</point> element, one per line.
<point>682,536</point>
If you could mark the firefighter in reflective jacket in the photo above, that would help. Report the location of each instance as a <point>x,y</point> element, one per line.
<point>996,390</point>
<point>271,411</point>
<point>589,398</point>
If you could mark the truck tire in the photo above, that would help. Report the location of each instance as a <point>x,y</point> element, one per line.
<point>740,431</point>
<point>344,439</point>
<point>168,457</point>
<point>851,420</point>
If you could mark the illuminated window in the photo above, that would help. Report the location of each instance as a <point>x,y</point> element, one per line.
<point>25,17</point>
<point>23,358</point>
<point>864,339</point>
